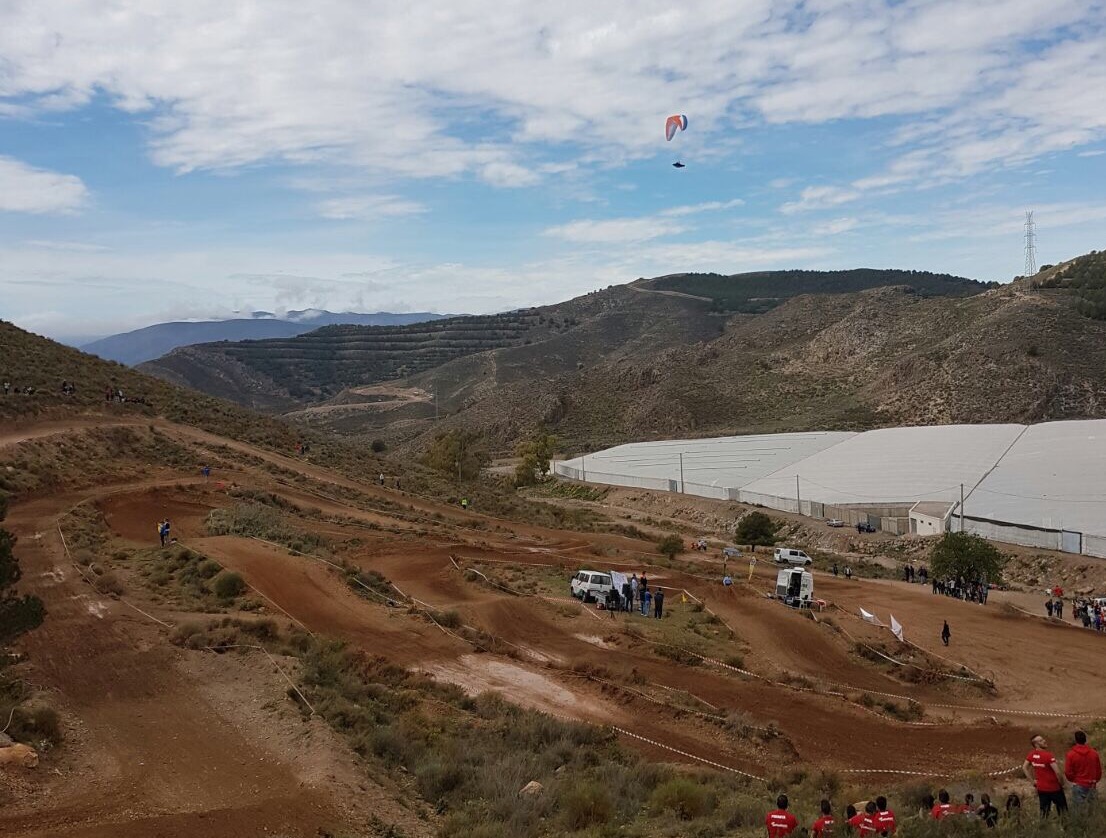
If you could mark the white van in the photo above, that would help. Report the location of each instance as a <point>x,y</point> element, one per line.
<point>789,555</point>
<point>795,587</point>
<point>589,585</point>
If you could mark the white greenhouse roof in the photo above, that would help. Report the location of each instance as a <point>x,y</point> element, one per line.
<point>731,461</point>
<point>895,465</point>
<point>1047,477</point>
<point>1054,478</point>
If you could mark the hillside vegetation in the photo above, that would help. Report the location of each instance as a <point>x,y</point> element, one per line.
<point>1085,279</point>
<point>761,291</point>
<point>695,355</point>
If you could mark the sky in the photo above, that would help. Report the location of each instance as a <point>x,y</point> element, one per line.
<point>163,160</point>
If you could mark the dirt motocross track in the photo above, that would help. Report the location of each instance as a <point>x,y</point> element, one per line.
<point>153,750</point>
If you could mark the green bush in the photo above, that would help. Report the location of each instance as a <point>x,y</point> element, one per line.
<point>583,804</point>
<point>683,797</point>
<point>228,585</point>
<point>378,446</point>
<point>671,545</point>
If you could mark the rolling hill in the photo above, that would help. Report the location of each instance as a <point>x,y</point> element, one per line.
<point>154,341</point>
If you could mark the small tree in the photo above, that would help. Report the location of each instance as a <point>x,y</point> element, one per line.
<point>535,454</point>
<point>378,446</point>
<point>455,450</point>
<point>670,545</point>
<point>18,614</point>
<point>756,528</point>
<point>961,555</point>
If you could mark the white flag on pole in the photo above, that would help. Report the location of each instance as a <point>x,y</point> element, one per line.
<point>869,618</point>
<point>896,628</point>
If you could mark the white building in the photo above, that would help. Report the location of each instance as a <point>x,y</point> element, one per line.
<point>929,517</point>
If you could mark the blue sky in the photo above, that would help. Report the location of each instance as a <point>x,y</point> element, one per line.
<point>162,160</point>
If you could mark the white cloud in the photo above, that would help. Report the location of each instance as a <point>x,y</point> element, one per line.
<point>24,188</point>
<point>819,197</point>
<point>367,207</point>
<point>707,206</point>
<point>614,230</point>
<point>836,226</point>
<point>509,175</point>
<point>491,90</point>
<point>1098,152</point>
<point>77,247</point>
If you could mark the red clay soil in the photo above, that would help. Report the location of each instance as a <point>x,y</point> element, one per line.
<point>116,672</point>
<point>155,758</point>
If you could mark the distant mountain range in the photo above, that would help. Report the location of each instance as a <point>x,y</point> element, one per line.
<point>154,341</point>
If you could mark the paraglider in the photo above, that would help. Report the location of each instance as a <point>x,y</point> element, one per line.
<point>672,126</point>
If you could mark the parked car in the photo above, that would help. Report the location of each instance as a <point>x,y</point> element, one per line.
<point>835,522</point>
<point>588,585</point>
<point>864,526</point>
<point>789,555</point>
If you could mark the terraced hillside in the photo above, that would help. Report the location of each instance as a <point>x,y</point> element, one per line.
<point>761,291</point>
<point>279,375</point>
<point>461,358</point>
<point>843,361</point>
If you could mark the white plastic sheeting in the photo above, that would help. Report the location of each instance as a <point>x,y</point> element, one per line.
<point>710,466</point>
<point>894,466</point>
<point>1053,479</point>
<point>1039,485</point>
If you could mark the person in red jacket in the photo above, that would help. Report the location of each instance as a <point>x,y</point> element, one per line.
<point>884,818</point>
<point>943,807</point>
<point>868,825</point>
<point>1040,767</point>
<point>824,826</point>
<point>780,822</point>
<point>1083,769</point>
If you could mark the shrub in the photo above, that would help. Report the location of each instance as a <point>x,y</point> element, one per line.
<point>208,568</point>
<point>584,804</point>
<point>670,545</point>
<point>228,585</point>
<point>378,446</point>
<point>36,723</point>
<point>683,797</point>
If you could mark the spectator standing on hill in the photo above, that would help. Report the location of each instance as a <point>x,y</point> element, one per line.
<point>943,807</point>
<point>635,589</point>
<point>1048,606</point>
<point>986,812</point>
<point>823,827</point>
<point>946,633</point>
<point>779,821</point>
<point>627,596</point>
<point>1041,768</point>
<point>835,568</point>
<point>7,387</point>
<point>206,472</point>
<point>884,818</point>
<point>1058,609</point>
<point>848,572</point>
<point>646,601</point>
<point>1083,769</point>
<point>162,531</point>
<point>658,603</point>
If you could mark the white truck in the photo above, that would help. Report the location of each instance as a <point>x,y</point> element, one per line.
<point>795,587</point>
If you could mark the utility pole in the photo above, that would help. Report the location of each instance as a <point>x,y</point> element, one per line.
<point>583,468</point>
<point>798,499</point>
<point>435,393</point>
<point>682,473</point>
<point>962,503</point>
